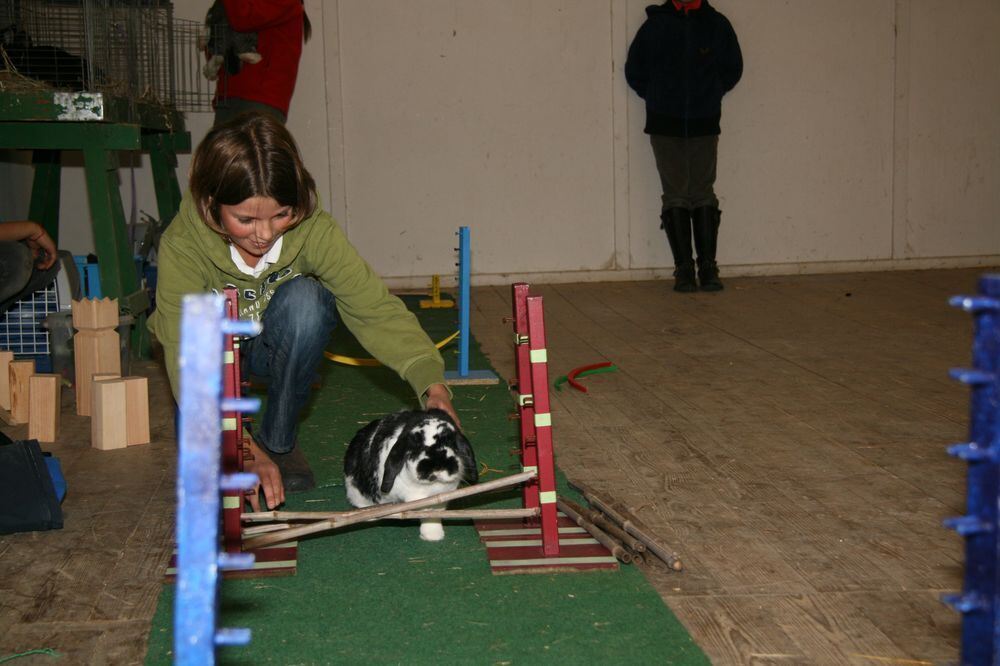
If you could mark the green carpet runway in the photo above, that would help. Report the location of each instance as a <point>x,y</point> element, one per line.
<point>377,594</point>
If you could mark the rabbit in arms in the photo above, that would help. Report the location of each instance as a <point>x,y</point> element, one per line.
<point>406,456</point>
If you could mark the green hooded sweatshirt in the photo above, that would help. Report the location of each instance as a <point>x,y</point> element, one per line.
<point>194,259</point>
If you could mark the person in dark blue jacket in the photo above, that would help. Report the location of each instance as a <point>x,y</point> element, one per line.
<point>682,61</point>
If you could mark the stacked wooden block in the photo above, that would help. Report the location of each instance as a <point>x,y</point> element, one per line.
<point>29,397</point>
<point>118,406</point>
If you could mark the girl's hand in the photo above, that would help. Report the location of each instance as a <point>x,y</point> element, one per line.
<point>438,397</point>
<point>270,479</point>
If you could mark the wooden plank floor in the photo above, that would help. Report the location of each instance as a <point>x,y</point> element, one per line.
<point>787,437</point>
<point>89,590</point>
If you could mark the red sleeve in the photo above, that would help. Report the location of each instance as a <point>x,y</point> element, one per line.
<point>255,15</point>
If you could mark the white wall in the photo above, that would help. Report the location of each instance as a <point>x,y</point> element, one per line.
<point>805,155</point>
<point>863,136</point>
<point>949,204</point>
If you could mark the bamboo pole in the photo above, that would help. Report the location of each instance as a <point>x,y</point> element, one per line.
<point>264,529</point>
<point>616,548</point>
<point>611,528</point>
<point>625,519</point>
<point>383,510</point>
<point>444,514</point>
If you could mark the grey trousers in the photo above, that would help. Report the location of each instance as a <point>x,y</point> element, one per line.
<point>687,170</point>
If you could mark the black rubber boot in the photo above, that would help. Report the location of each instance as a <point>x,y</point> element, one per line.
<point>705,221</point>
<point>296,475</point>
<point>677,224</point>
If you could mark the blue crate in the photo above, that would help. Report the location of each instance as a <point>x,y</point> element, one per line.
<point>90,277</point>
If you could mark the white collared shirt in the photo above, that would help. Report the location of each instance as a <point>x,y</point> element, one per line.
<point>263,263</point>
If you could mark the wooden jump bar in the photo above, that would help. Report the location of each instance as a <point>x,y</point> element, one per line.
<point>384,510</point>
<point>624,519</point>
<point>264,527</point>
<point>444,514</point>
<point>616,548</point>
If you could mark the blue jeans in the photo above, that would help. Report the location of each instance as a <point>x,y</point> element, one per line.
<point>297,325</point>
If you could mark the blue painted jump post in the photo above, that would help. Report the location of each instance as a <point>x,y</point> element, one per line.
<point>978,600</point>
<point>464,375</point>
<point>199,483</point>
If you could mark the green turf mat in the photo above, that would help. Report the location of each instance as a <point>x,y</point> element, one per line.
<point>377,594</point>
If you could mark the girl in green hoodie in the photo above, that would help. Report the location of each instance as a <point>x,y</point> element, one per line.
<point>252,220</point>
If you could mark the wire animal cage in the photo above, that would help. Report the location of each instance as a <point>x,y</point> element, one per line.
<point>131,49</point>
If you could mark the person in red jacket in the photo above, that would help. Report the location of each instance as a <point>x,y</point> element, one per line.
<point>282,26</point>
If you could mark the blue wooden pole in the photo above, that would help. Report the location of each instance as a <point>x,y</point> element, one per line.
<point>464,301</point>
<point>463,375</point>
<point>203,325</point>
<point>978,601</point>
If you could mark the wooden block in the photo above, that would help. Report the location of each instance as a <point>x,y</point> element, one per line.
<point>93,314</point>
<point>45,405</point>
<point>5,358</point>
<point>137,410</point>
<point>107,425</point>
<point>19,373</point>
<point>94,352</point>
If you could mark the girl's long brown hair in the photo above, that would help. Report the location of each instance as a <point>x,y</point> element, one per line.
<point>252,155</point>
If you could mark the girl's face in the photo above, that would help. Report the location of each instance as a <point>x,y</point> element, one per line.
<point>254,225</point>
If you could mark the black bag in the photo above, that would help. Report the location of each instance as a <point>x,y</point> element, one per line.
<point>28,499</point>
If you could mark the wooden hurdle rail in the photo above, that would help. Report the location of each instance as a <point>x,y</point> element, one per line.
<point>281,560</point>
<point>534,412</point>
<point>275,561</point>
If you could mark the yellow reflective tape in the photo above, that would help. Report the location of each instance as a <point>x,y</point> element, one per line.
<point>228,358</point>
<point>543,420</point>
<point>229,502</point>
<point>539,356</point>
<point>529,468</point>
<point>548,497</point>
<point>228,424</point>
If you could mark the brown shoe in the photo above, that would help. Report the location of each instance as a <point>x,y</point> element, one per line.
<point>296,475</point>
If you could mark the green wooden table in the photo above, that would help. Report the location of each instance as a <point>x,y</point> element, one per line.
<point>48,123</point>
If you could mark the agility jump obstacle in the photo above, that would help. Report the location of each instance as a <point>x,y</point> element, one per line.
<point>534,538</point>
<point>274,561</point>
<point>979,526</point>
<point>464,375</point>
<point>199,482</point>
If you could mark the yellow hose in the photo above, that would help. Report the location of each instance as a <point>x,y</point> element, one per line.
<point>371,362</point>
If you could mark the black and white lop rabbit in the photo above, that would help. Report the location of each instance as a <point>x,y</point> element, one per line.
<point>406,456</point>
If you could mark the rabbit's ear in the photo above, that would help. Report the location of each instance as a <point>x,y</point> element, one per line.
<point>394,464</point>
<point>464,452</point>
